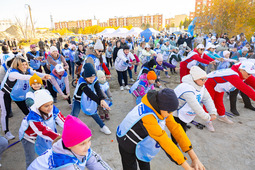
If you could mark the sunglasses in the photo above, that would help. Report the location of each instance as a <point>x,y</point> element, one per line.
<point>100,51</point>
<point>14,49</point>
<point>202,49</point>
<point>203,79</point>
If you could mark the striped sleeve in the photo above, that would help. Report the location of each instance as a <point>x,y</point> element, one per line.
<point>60,119</point>
<point>43,131</point>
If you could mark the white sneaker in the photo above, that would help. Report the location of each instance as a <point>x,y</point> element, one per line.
<point>9,136</point>
<point>126,87</point>
<point>105,130</point>
<point>121,88</point>
<point>132,80</point>
<point>225,120</point>
<point>210,127</point>
<point>123,82</point>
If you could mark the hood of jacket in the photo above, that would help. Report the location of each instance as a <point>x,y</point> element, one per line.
<point>189,80</point>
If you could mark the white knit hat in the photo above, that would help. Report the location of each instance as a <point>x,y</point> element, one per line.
<point>225,53</point>
<point>245,49</point>
<point>213,38</point>
<point>42,97</point>
<point>98,45</point>
<point>197,73</point>
<point>53,48</point>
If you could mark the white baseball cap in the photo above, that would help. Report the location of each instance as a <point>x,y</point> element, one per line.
<point>200,46</point>
<point>147,46</point>
<point>210,45</point>
<point>59,68</point>
<point>248,67</point>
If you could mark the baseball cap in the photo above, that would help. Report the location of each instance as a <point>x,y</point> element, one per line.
<point>248,67</point>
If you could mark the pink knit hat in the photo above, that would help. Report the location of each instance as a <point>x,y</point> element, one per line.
<point>159,57</point>
<point>75,131</point>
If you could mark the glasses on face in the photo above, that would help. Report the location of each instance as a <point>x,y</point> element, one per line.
<point>202,49</point>
<point>100,51</point>
<point>14,49</point>
<point>203,79</point>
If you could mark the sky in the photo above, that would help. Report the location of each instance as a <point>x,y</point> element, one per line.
<point>68,10</point>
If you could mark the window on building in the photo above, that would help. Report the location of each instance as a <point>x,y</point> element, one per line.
<point>198,3</point>
<point>198,7</point>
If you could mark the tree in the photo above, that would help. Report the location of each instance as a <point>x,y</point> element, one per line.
<point>186,23</point>
<point>172,25</point>
<point>181,24</point>
<point>167,27</point>
<point>228,16</point>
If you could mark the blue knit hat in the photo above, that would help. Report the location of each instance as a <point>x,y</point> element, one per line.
<point>89,71</point>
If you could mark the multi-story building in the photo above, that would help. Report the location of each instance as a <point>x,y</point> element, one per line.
<point>137,21</point>
<point>191,15</point>
<point>201,4</point>
<point>176,20</point>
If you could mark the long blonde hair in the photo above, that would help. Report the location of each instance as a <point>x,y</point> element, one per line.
<point>57,139</point>
<point>18,61</point>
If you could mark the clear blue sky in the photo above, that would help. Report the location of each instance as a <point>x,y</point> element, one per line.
<point>65,10</point>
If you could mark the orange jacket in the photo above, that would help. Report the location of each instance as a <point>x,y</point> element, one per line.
<point>155,132</point>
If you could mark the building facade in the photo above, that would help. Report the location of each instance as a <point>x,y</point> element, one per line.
<point>175,22</point>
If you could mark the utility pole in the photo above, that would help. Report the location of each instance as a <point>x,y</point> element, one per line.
<point>33,29</point>
<point>51,19</point>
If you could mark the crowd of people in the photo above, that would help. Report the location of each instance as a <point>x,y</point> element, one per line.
<point>209,66</point>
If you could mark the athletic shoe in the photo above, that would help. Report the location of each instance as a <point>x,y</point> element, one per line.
<point>126,87</point>
<point>209,126</point>
<point>107,117</point>
<point>121,88</point>
<point>167,76</point>
<point>135,73</point>
<point>105,130</point>
<point>9,136</point>
<point>158,77</point>
<point>225,120</point>
<point>132,79</point>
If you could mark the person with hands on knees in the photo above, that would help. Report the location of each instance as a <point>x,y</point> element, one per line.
<point>191,93</point>
<point>60,83</point>
<point>38,128</point>
<point>88,95</point>
<point>141,134</point>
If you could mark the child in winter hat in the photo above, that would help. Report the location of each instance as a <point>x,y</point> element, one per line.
<point>38,128</point>
<point>105,87</point>
<point>143,85</point>
<point>35,83</point>
<point>88,95</point>
<point>72,150</point>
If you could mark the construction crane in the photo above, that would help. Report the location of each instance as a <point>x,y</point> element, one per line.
<point>30,14</point>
